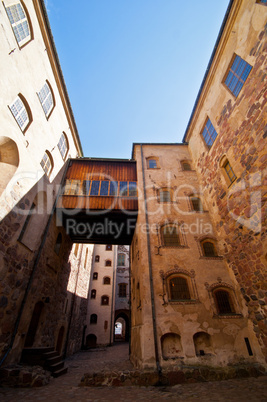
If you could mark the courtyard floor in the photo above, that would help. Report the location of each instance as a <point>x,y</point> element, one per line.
<point>65,388</point>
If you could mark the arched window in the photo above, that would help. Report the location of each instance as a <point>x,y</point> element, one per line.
<point>9,161</point>
<point>108,263</point>
<point>97,258</point>
<point>164,195</point>
<point>47,99</point>
<point>223,301</point>
<point>93,294</point>
<point>122,289</point>
<point>95,275</point>
<point>58,244</point>
<point>121,259</point>
<point>178,289</point>
<point>170,235</point>
<point>196,203</point>
<point>18,20</point>
<point>85,259</point>
<point>186,166</point>
<point>106,280</point>
<point>76,249</point>
<point>152,163</point>
<point>109,247</point>
<point>47,163</point>
<point>93,319</point>
<point>63,145</point>
<point>104,300</point>
<point>208,248</point>
<point>21,112</point>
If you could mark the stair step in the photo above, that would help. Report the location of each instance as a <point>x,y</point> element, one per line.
<point>54,360</point>
<point>60,372</point>
<point>56,367</point>
<point>51,354</point>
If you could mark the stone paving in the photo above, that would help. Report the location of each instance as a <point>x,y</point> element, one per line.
<point>66,388</point>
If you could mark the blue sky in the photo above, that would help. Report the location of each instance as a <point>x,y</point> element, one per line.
<point>133,68</point>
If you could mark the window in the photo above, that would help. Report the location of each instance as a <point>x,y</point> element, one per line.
<point>178,288</point>
<point>132,189</point>
<point>97,258</point>
<point>63,146</point>
<point>108,263</point>
<point>95,276</point>
<point>93,319</point>
<point>121,259</point>
<point>93,294</point>
<point>46,98</point>
<point>86,256</point>
<point>208,248</point>
<point>164,195</point>
<point>186,166</point>
<point>152,163</point>
<point>106,280</point>
<point>19,23</point>
<point>122,289</point>
<point>196,203</point>
<point>104,187</point>
<point>58,244</point>
<point>109,247</point>
<point>19,110</point>
<point>229,172</point>
<point>223,301</point>
<point>264,2</point>
<point>170,236</point>
<point>47,163</point>
<point>209,133</point>
<point>104,300</point>
<point>76,249</point>
<point>237,75</point>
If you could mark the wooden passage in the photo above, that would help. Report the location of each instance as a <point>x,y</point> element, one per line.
<point>99,192</point>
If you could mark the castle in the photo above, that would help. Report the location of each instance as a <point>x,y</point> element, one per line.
<point>194,213</point>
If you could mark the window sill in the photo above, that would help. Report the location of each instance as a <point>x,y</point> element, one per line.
<point>187,301</point>
<point>218,257</point>
<point>230,315</point>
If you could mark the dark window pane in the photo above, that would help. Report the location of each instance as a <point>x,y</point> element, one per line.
<point>104,187</point>
<point>152,164</point>
<point>132,189</point>
<point>95,187</point>
<point>113,190</point>
<point>123,188</point>
<point>179,289</point>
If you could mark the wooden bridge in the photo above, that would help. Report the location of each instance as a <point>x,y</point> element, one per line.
<point>98,202</point>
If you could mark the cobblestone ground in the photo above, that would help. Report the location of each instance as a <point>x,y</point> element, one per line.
<point>66,388</point>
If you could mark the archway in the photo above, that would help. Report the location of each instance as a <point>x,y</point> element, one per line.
<point>171,346</point>
<point>91,341</point>
<point>60,339</point>
<point>34,324</point>
<point>122,327</point>
<point>202,342</point>
<point>9,161</point>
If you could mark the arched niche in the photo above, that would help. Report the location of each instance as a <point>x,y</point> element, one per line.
<point>9,161</point>
<point>202,342</point>
<point>171,346</point>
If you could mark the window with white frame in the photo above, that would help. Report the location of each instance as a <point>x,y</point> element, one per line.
<point>47,163</point>
<point>63,146</point>
<point>19,111</point>
<point>46,98</point>
<point>19,23</point>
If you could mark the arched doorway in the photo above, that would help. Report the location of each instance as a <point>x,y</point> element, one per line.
<point>91,341</point>
<point>121,327</point>
<point>34,324</point>
<point>60,339</point>
<point>9,161</point>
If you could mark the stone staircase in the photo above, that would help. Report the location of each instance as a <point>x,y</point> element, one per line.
<point>48,358</point>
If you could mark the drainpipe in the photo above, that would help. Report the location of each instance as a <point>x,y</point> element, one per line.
<point>35,264</point>
<point>112,296</point>
<point>150,271</point>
